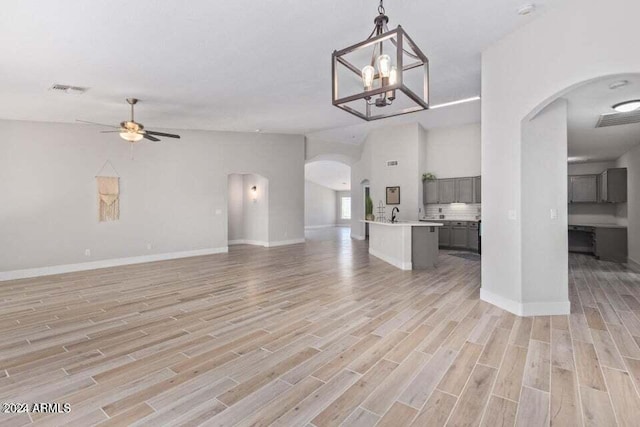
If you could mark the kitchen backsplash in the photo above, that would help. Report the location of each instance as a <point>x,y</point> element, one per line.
<point>461,211</point>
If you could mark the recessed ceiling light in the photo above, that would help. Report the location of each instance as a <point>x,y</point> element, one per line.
<point>258,130</point>
<point>527,9</point>
<point>618,84</point>
<point>627,106</point>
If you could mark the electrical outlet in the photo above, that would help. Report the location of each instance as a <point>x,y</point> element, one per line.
<point>218,211</point>
<point>553,213</point>
<point>87,252</point>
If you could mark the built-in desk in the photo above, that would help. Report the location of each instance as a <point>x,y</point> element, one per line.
<point>608,242</point>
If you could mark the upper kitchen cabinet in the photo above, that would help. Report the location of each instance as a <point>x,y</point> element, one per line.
<point>464,190</point>
<point>583,189</point>
<point>613,186</point>
<point>430,191</point>
<point>452,190</point>
<point>447,190</point>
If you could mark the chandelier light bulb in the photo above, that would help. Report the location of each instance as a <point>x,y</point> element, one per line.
<point>384,65</point>
<point>368,73</point>
<point>393,75</point>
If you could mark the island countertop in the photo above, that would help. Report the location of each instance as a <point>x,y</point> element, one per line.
<point>405,223</point>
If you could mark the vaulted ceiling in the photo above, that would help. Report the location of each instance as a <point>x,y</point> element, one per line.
<point>237,65</point>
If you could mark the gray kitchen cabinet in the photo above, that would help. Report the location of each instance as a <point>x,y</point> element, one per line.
<point>446,190</point>
<point>613,185</point>
<point>444,236</point>
<point>473,237</point>
<point>459,235</point>
<point>477,189</point>
<point>583,189</point>
<point>464,190</point>
<point>430,191</point>
<point>611,244</point>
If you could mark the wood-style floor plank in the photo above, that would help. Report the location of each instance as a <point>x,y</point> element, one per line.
<point>316,334</point>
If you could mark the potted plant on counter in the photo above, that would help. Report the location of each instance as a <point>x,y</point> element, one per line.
<point>368,209</point>
<point>428,177</point>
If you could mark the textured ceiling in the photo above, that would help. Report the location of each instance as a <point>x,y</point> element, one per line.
<point>330,174</point>
<point>236,65</point>
<point>585,105</point>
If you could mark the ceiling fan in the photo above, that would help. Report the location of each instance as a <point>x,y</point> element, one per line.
<point>132,131</point>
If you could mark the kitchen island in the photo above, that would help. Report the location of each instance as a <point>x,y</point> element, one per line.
<point>407,245</point>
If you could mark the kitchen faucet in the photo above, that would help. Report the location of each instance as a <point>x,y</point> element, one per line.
<point>393,214</point>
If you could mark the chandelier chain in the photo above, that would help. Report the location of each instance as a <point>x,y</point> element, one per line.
<point>381,8</point>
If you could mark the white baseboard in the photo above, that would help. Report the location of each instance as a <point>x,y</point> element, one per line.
<point>550,308</point>
<point>356,237</point>
<point>105,263</point>
<point>313,227</point>
<point>633,265</point>
<point>393,261</point>
<point>285,242</point>
<point>248,242</point>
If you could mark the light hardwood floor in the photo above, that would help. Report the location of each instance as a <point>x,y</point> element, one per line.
<point>316,334</point>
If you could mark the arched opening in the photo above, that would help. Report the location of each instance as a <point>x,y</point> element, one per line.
<point>579,201</point>
<point>328,204</point>
<point>247,209</point>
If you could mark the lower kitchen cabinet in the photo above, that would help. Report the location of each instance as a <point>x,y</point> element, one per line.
<point>458,235</point>
<point>473,237</point>
<point>444,236</point>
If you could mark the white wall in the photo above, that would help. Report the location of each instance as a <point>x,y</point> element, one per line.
<point>590,168</point>
<point>399,143</point>
<point>545,247</point>
<point>316,149</point>
<point>173,195</point>
<point>453,151</point>
<point>520,73</point>
<point>235,214</point>
<point>319,205</point>
<point>631,161</point>
<point>339,196</point>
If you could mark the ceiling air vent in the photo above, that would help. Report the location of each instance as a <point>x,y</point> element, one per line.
<point>392,163</point>
<point>615,119</point>
<point>75,90</point>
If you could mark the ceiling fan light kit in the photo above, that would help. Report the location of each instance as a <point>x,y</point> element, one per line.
<point>371,78</point>
<point>132,131</point>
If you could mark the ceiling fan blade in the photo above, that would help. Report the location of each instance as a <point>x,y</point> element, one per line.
<point>99,124</point>
<point>150,138</point>
<point>168,135</point>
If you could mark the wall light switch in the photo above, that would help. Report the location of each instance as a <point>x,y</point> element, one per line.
<point>148,246</point>
<point>553,213</point>
<point>87,252</point>
<point>218,211</point>
<point>512,214</point>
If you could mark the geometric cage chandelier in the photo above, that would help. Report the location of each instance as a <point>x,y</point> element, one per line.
<point>383,76</point>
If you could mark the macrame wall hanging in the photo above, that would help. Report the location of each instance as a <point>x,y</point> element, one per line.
<point>108,195</point>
